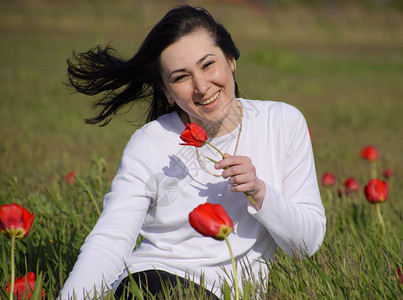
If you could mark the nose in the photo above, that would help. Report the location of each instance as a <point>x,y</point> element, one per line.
<point>201,84</point>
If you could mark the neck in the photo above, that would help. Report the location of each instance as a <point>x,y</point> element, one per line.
<point>223,126</point>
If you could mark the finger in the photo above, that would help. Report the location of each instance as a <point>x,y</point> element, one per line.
<point>226,155</point>
<point>239,179</point>
<point>231,161</point>
<point>222,164</point>
<point>235,170</point>
<point>247,187</point>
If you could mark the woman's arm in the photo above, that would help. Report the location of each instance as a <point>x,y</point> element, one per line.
<point>102,257</point>
<point>294,216</point>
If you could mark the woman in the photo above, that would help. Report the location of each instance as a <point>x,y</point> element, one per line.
<point>187,65</point>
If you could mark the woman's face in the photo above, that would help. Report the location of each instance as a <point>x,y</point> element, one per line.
<point>199,78</point>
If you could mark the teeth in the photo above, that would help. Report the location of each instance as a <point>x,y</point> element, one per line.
<point>208,101</point>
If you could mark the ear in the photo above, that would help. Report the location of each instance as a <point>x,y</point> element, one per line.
<point>232,65</point>
<point>168,96</point>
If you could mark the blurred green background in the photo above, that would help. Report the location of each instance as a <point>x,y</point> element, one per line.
<point>339,62</point>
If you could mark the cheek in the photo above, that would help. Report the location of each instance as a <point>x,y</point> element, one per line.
<point>225,75</point>
<point>181,93</point>
<point>227,80</point>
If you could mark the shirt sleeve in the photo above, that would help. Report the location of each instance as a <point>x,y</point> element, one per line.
<point>106,249</point>
<point>294,216</point>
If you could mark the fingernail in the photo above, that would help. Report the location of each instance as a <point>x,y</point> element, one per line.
<point>217,166</point>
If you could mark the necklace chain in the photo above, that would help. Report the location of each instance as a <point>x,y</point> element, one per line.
<point>236,146</point>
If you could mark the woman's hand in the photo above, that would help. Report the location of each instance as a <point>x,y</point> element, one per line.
<point>242,177</point>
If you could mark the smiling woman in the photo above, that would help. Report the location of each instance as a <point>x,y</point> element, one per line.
<point>101,70</point>
<point>186,65</point>
<point>198,77</point>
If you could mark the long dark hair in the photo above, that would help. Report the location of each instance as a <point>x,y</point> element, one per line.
<point>102,71</point>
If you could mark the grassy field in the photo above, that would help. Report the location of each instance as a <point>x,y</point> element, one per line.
<point>341,66</point>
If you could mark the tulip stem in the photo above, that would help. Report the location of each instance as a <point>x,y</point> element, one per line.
<point>12,267</point>
<point>250,198</point>
<point>215,149</point>
<point>378,212</point>
<point>234,268</point>
<point>374,174</point>
<point>329,194</point>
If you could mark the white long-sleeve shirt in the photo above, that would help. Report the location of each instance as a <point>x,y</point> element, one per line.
<point>160,182</point>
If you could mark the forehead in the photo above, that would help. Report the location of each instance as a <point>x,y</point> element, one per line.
<point>188,50</point>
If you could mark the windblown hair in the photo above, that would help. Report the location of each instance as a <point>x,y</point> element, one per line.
<point>120,82</point>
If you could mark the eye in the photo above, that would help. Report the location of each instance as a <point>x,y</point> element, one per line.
<point>179,78</point>
<point>207,64</point>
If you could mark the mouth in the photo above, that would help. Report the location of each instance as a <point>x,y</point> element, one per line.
<point>211,99</point>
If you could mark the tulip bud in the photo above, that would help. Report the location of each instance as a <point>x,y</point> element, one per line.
<point>388,173</point>
<point>399,273</point>
<point>376,191</point>
<point>211,220</point>
<point>369,153</point>
<point>193,135</point>
<point>15,221</point>
<point>351,185</point>
<point>24,286</point>
<point>328,179</point>
<point>70,178</point>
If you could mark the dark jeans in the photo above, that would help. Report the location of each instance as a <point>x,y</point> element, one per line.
<point>154,280</point>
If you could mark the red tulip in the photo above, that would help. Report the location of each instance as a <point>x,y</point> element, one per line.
<point>351,185</point>
<point>388,173</point>
<point>15,221</point>
<point>399,273</point>
<point>211,220</point>
<point>369,153</point>
<point>70,178</point>
<point>24,286</point>
<point>194,135</point>
<point>328,179</point>
<point>376,191</point>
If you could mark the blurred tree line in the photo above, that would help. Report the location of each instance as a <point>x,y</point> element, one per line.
<point>323,4</point>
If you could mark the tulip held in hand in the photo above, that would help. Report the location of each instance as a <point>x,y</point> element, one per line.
<point>194,135</point>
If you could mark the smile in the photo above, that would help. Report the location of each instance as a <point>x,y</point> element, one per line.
<point>210,100</point>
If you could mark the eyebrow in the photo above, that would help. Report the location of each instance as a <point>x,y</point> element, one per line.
<point>197,63</point>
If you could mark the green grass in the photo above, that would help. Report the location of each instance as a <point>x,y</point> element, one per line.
<point>342,67</point>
